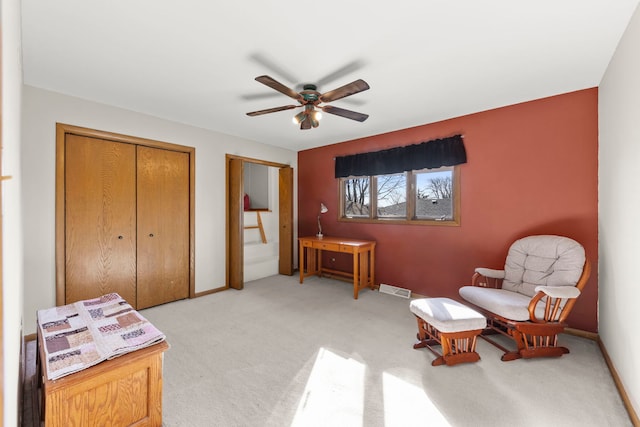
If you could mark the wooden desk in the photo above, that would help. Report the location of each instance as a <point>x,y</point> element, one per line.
<point>363,252</point>
<point>123,391</point>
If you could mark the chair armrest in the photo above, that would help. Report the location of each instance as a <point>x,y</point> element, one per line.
<point>487,278</point>
<point>555,310</point>
<point>559,291</point>
<point>488,272</point>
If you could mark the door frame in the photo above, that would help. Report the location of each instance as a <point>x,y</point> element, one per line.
<point>65,129</point>
<point>234,240</point>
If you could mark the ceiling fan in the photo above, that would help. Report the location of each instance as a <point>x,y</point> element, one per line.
<point>310,99</point>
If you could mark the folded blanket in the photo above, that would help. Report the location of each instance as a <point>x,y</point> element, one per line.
<point>79,335</point>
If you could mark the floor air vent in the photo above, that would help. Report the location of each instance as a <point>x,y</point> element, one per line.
<point>394,290</point>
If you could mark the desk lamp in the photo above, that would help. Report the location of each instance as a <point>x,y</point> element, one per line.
<point>323,209</point>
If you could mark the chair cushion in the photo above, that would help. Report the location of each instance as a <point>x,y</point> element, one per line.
<point>508,304</point>
<point>542,261</point>
<point>447,315</point>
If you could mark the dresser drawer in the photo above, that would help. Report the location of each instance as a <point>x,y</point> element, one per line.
<point>327,246</point>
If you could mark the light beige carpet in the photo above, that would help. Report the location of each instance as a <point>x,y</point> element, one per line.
<point>283,354</point>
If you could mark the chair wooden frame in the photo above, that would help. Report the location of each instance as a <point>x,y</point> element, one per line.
<point>537,337</point>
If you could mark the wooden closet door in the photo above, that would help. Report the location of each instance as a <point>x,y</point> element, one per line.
<point>235,218</point>
<point>163,226</point>
<point>285,204</point>
<point>100,218</point>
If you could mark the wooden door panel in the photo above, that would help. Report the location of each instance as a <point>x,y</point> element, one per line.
<point>163,226</point>
<point>285,200</point>
<point>235,218</point>
<point>100,219</point>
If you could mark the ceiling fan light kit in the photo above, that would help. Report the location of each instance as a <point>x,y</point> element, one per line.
<point>298,118</point>
<point>310,99</point>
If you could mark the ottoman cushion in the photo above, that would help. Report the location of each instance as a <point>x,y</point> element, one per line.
<point>447,315</point>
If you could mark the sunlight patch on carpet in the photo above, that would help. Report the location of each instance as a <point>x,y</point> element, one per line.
<point>334,392</point>
<point>406,404</point>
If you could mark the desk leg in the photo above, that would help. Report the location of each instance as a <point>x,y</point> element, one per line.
<point>364,277</point>
<point>372,268</point>
<point>310,260</point>
<point>301,254</point>
<point>356,274</point>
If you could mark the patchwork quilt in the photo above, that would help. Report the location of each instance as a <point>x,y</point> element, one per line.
<point>79,335</point>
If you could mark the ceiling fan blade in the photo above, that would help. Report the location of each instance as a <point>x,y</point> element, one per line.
<point>271,110</point>
<point>273,66</point>
<point>273,84</point>
<point>346,90</point>
<point>353,115</point>
<point>257,96</point>
<point>342,71</point>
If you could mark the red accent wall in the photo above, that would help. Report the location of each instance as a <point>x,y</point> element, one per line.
<point>532,169</point>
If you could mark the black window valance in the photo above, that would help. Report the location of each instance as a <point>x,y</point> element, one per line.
<point>427,155</point>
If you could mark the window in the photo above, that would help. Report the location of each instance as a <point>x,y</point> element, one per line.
<point>434,194</point>
<point>428,196</point>
<point>391,195</point>
<point>356,197</point>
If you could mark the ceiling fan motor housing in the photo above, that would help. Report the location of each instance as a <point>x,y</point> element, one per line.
<point>310,93</point>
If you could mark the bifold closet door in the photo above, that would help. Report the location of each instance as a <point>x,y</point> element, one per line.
<point>163,226</point>
<point>100,218</point>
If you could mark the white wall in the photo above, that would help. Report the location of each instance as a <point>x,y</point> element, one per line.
<point>619,209</point>
<point>12,279</point>
<point>256,184</point>
<point>42,109</point>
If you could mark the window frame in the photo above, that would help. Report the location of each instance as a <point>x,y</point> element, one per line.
<point>410,218</point>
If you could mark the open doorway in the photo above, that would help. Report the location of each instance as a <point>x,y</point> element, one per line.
<point>235,202</point>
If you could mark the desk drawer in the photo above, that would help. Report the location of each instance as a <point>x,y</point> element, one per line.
<point>307,244</point>
<point>347,249</point>
<point>327,246</point>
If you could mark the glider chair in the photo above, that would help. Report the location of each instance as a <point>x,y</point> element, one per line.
<point>531,298</point>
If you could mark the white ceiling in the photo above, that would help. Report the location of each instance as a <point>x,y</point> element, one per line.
<point>195,62</point>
